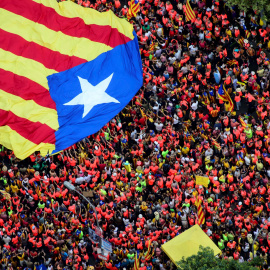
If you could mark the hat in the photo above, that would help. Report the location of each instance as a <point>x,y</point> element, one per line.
<point>252,73</point>
<point>238,90</point>
<point>259,128</point>
<point>245,41</point>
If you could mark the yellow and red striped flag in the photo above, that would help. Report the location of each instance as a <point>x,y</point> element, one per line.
<point>190,15</point>
<point>247,33</point>
<point>232,62</point>
<point>134,8</point>
<point>5,194</point>
<point>216,144</point>
<point>136,262</point>
<point>241,41</point>
<point>224,95</point>
<point>198,203</point>
<point>242,122</point>
<point>152,46</point>
<point>39,38</point>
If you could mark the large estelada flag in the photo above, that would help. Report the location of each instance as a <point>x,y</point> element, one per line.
<point>65,71</point>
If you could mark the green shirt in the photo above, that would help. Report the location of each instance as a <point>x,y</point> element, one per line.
<point>248,133</point>
<point>143,183</point>
<point>221,244</point>
<point>41,205</point>
<point>130,256</point>
<point>36,166</point>
<point>222,179</point>
<point>103,192</point>
<point>107,135</point>
<point>259,166</point>
<point>164,153</point>
<point>146,28</point>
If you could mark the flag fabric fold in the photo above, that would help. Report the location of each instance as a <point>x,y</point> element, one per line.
<point>40,42</point>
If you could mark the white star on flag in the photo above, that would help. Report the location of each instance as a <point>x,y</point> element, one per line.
<point>92,95</point>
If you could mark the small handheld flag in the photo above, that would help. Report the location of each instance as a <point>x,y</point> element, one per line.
<point>134,8</point>
<point>190,14</point>
<point>223,95</point>
<point>198,203</point>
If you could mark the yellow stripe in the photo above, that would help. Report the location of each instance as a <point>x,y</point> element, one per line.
<point>28,68</point>
<point>28,109</point>
<point>56,41</point>
<point>90,16</point>
<point>22,147</point>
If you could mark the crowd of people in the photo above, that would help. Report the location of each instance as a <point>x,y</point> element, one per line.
<point>139,171</point>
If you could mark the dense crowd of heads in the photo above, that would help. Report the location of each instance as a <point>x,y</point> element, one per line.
<point>139,170</point>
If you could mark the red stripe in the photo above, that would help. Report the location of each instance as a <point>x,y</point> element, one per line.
<point>34,132</point>
<point>25,88</point>
<point>50,59</point>
<point>189,14</point>
<point>136,9</point>
<point>74,27</point>
<point>189,17</point>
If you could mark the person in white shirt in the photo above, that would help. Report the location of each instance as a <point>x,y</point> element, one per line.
<point>194,105</point>
<point>209,152</point>
<point>156,107</point>
<point>85,178</point>
<point>175,119</point>
<point>247,160</point>
<point>158,126</point>
<point>201,35</point>
<point>172,59</point>
<point>192,50</point>
<point>177,55</point>
<point>160,32</point>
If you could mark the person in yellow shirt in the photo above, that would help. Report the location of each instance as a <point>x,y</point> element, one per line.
<point>14,188</point>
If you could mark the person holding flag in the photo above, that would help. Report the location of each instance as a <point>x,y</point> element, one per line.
<point>224,96</point>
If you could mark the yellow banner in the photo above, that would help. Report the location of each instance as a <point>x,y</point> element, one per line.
<point>202,181</point>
